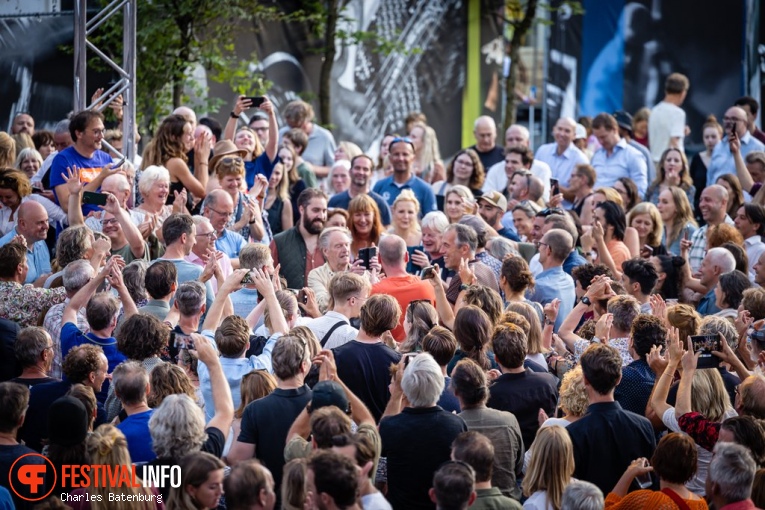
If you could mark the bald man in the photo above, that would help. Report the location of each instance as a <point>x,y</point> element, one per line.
<point>562,155</point>
<point>32,225</point>
<point>117,185</point>
<point>713,206</point>
<point>23,123</point>
<point>485,133</point>
<point>722,160</point>
<point>496,178</point>
<point>187,113</point>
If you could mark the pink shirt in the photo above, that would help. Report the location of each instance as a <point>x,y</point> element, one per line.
<point>224,263</point>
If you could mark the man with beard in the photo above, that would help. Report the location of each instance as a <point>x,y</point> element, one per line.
<point>361,171</point>
<point>23,123</point>
<point>401,156</point>
<point>299,245</point>
<point>218,208</point>
<point>491,207</point>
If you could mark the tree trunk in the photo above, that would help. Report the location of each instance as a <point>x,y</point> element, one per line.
<point>521,28</point>
<point>333,13</point>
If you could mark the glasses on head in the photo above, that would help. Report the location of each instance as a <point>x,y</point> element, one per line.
<point>226,214</point>
<point>398,139</point>
<point>413,304</point>
<point>549,211</point>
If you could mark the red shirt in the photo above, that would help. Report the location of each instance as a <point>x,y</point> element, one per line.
<point>405,289</point>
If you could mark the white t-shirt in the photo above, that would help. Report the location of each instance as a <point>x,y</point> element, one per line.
<point>667,121</point>
<point>496,177</point>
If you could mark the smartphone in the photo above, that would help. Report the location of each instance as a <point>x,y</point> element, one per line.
<point>428,273</point>
<point>91,197</point>
<point>256,101</point>
<point>247,278</point>
<point>686,234</point>
<point>706,344</point>
<point>367,254</point>
<point>119,163</point>
<point>554,187</point>
<point>181,341</point>
<point>648,249</point>
<point>302,297</point>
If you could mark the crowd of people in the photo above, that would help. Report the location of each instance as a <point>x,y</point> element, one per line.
<point>297,324</point>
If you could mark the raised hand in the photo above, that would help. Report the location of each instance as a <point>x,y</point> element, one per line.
<point>267,106</point>
<point>112,205</point>
<point>597,232</point>
<point>603,327</point>
<point>467,276</point>
<point>72,180</point>
<point>656,361</point>
<point>179,204</point>
<point>242,104</point>
<point>551,310</point>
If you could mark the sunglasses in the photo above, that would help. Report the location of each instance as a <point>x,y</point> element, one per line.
<point>232,160</point>
<point>398,139</point>
<point>549,211</point>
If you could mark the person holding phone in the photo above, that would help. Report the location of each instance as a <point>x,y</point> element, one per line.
<point>258,159</point>
<point>735,124</point>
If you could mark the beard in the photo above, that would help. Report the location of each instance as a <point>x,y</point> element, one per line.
<point>313,226</point>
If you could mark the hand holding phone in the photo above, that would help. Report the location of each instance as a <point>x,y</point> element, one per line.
<point>181,341</point>
<point>554,187</point>
<point>93,198</point>
<point>428,273</point>
<point>705,344</point>
<point>255,101</point>
<point>366,255</point>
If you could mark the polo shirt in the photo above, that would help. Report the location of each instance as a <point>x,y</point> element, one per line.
<point>390,190</point>
<point>624,161</point>
<point>188,272</point>
<point>38,257</point>
<point>71,336</point>
<point>136,430</point>
<point>230,243</point>
<point>707,304</point>
<point>156,307</point>
<point>343,200</point>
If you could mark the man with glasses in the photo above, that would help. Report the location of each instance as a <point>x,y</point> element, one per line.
<point>401,157</point>
<point>553,282</point>
<point>203,249</point>
<point>735,120</point>
<point>496,176</point>
<point>218,207</point>
<point>666,124</point>
<point>87,131</point>
<point>349,292</point>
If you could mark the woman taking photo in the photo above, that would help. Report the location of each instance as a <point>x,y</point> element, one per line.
<point>433,227</point>
<point>427,156</point>
<point>201,483</point>
<point>364,223</point>
<point>677,216</point>
<point>258,160</point>
<point>671,171</point>
<point>174,139</point>
<point>606,237</point>
<point>458,202</point>
<point>466,170</point>
<point>646,220</point>
<point>277,203</point>
<point>405,225</point>
<point>550,469</point>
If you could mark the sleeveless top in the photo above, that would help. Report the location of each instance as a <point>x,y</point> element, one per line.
<point>275,216</point>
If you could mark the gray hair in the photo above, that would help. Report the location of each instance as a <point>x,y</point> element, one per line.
<point>26,153</point>
<point>190,297</point>
<point>289,353</point>
<point>120,181</point>
<point>500,247</point>
<point>76,275</point>
<point>327,233</point>
<point>150,175</point>
<point>732,468</point>
<point>523,129</point>
<point>581,495</point>
<point>466,235</point>
<point>62,127</point>
<point>423,381</point>
<point>254,255</point>
<point>198,220</point>
<point>130,380</point>
<point>722,258</point>
<point>435,220</point>
<point>212,198</point>
<point>485,119</point>
<point>134,276</point>
<point>30,343</point>
<point>177,427</point>
<point>712,325</point>
<point>73,243</point>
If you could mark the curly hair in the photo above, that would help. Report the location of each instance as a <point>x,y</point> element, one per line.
<point>573,394</point>
<point>516,273</point>
<point>142,336</point>
<point>16,181</point>
<point>479,172</point>
<point>177,427</point>
<point>647,331</point>
<point>586,272</point>
<point>167,142</point>
<point>81,361</point>
<point>167,379</point>
<point>723,233</point>
<point>685,318</point>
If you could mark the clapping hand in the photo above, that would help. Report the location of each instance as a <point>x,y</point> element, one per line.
<point>603,327</point>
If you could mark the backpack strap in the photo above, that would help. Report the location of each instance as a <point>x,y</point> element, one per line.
<point>329,333</point>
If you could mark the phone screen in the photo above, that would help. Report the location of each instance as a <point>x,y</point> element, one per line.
<point>91,197</point>
<point>705,344</point>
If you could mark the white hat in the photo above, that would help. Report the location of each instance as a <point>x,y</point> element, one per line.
<point>581,132</point>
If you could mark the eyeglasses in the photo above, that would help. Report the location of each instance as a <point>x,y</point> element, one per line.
<point>732,119</point>
<point>109,222</point>
<point>540,243</point>
<point>209,234</point>
<point>226,214</point>
<point>98,131</point>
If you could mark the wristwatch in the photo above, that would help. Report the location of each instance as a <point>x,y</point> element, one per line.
<point>585,300</point>
<point>233,115</point>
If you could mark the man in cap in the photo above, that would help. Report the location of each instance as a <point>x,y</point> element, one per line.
<point>491,207</point>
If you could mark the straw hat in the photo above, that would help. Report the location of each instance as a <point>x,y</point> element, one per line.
<point>225,148</point>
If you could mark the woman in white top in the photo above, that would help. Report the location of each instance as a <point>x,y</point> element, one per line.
<point>155,188</point>
<point>550,469</point>
<point>15,189</point>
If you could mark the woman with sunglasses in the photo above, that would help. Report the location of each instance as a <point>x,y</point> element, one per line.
<point>15,189</point>
<point>258,160</point>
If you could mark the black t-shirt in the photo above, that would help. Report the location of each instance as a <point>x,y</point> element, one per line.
<point>416,442</point>
<point>365,369</point>
<point>524,395</point>
<point>35,427</point>
<point>8,455</point>
<point>265,424</point>
<point>33,382</point>
<point>490,158</point>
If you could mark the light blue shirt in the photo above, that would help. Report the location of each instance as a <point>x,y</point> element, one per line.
<point>624,161</point>
<point>235,369</point>
<point>648,160</point>
<point>244,300</point>
<point>230,243</point>
<point>722,160</point>
<point>561,165</point>
<point>38,257</point>
<point>188,272</point>
<point>389,190</point>
<point>554,283</point>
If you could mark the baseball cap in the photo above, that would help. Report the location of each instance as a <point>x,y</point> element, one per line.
<point>495,198</point>
<point>581,132</point>
<point>329,393</point>
<point>624,120</point>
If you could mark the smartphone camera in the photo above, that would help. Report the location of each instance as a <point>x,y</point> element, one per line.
<point>366,255</point>
<point>428,273</point>
<point>181,341</point>
<point>705,344</point>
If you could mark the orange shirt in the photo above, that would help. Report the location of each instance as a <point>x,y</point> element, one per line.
<point>405,289</point>
<point>619,252</point>
<point>639,500</point>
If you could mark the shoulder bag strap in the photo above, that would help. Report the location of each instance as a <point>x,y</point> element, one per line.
<point>329,333</point>
<point>674,496</point>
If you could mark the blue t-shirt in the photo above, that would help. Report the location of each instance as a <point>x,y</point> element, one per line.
<point>71,337</point>
<point>230,243</point>
<point>136,430</point>
<point>89,169</point>
<point>390,190</point>
<point>260,165</point>
<point>343,200</point>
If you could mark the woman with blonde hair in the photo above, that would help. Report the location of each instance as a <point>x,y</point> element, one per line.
<point>465,169</point>
<point>646,220</point>
<point>672,170</point>
<point>685,318</point>
<point>29,161</point>
<point>107,446</point>
<point>168,379</point>
<point>535,350</point>
<point>201,483</point>
<point>277,203</point>
<point>405,224</point>
<point>550,469</point>
<point>677,215</point>
<point>458,202</point>
<point>427,155</point>
<point>347,151</point>
<point>364,223</point>
<point>7,150</point>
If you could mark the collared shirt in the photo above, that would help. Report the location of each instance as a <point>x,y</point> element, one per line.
<point>340,336</point>
<point>747,504</point>
<point>699,245</point>
<point>573,261</point>
<point>722,159</point>
<point>754,249</point>
<point>620,344</point>
<point>23,303</point>
<point>190,272</point>
<point>650,167</point>
<point>554,283</point>
<point>52,325</point>
<point>224,263</point>
<point>496,177</point>
<point>38,257</point>
<point>635,387</point>
<point>561,165</point>
<point>230,243</point>
<point>624,161</point>
<point>707,305</point>
<point>483,275</point>
<point>156,307</point>
<point>389,189</point>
